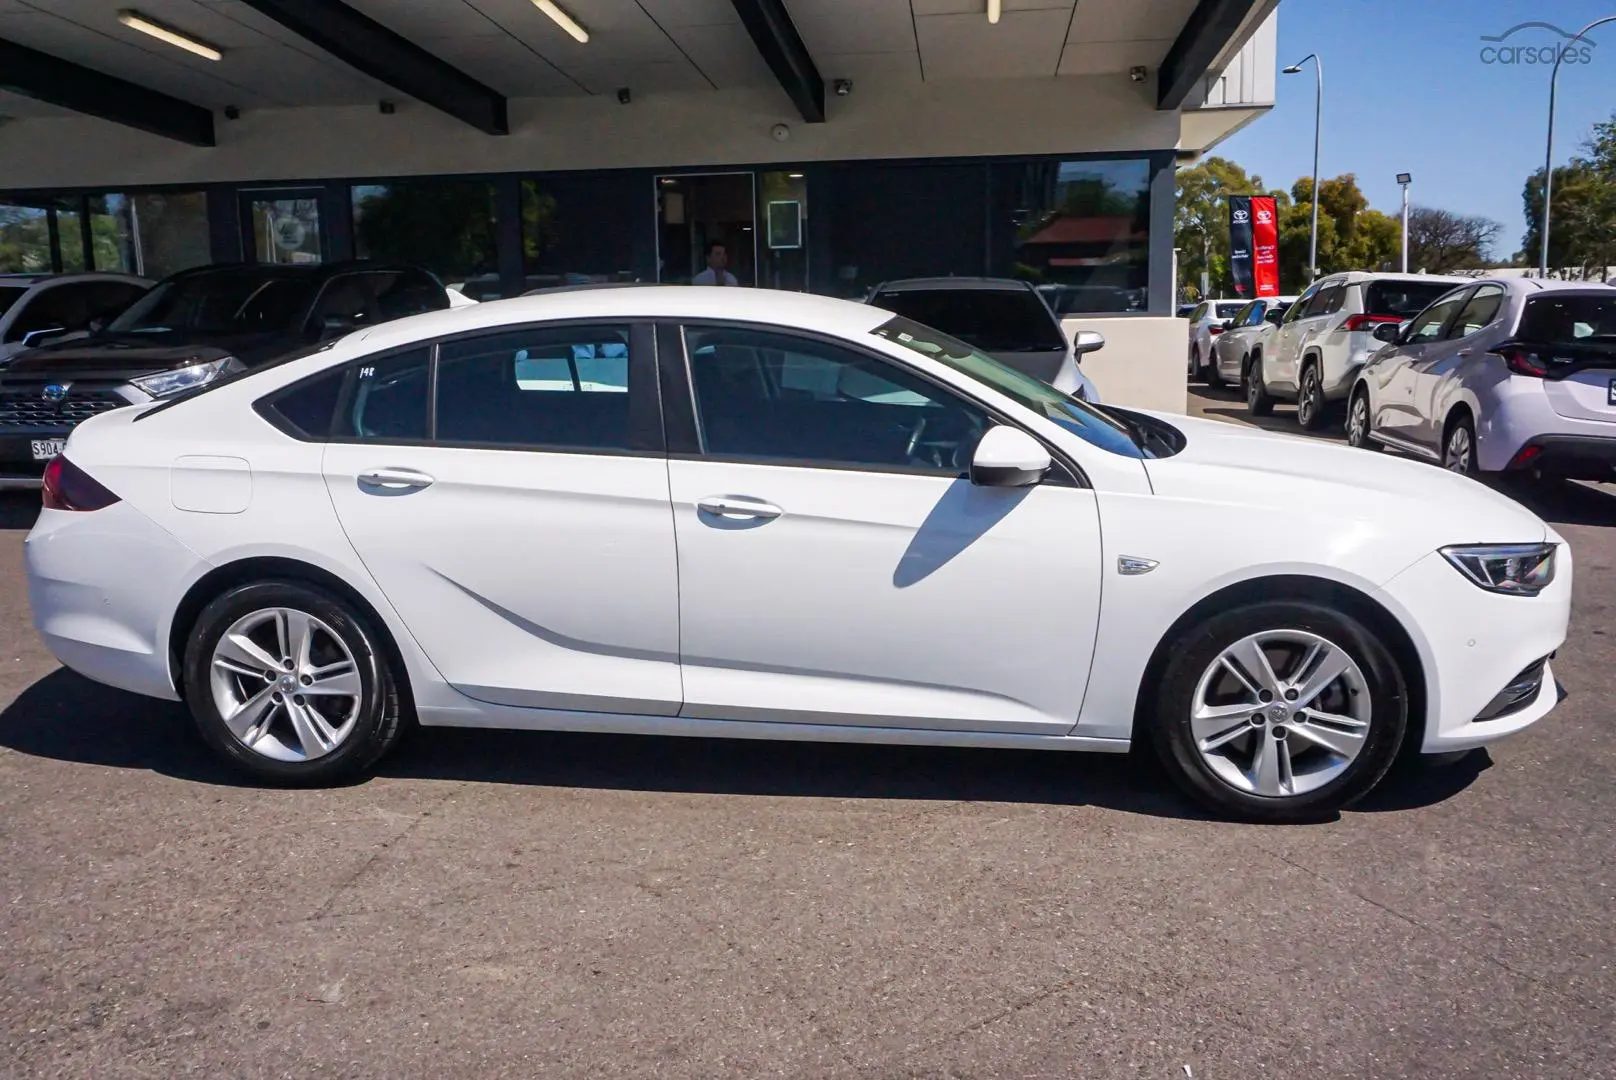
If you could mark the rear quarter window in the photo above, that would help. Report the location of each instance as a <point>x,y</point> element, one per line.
<point>1405,299</point>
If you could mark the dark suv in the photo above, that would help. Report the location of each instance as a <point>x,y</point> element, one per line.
<point>191,329</point>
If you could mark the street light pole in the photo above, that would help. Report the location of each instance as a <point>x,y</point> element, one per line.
<point>1405,179</point>
<point>1318,112</point>
<point>1548,153</point>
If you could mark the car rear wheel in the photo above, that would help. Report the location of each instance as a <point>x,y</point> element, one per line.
<point>1358,422</point>
<point>1214,373</point>
<point>1312,411</point>
<point>1459,447</point>
<point>1279,711</point>
<point>1258,403</point>
<point>289,685</point>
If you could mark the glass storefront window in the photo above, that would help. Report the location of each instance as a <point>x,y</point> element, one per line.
<point>580,230</point>
<point>446,226</point>
<point>1080,232</point>
<point>782,216</point>
<point>25,243</point>
<point>152,235</point>
<point>902,220</point>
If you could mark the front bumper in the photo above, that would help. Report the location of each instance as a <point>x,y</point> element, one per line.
<point>1472,644</point>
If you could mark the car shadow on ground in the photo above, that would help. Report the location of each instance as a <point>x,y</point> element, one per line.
<point>68,718</point>
<point>1226,404</point>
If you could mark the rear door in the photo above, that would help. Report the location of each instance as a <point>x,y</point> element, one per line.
<point>1311,329</point>
<point>1288,339</point>
<point>1578,333</point>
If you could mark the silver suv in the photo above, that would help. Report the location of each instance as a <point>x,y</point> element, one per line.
<point>1327,335</point>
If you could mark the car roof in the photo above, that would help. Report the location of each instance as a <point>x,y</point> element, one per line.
<point>29,280</point>
<point>1359,277</point>
<point>943,284</point>
<point>803,311</point>
<point>1533,285</point>
<point>312,271</point>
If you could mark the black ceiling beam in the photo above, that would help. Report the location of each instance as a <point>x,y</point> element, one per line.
<point>1210,27</point>
<point>782,48</point>
<point>365,44</point>
<point>67,85</point>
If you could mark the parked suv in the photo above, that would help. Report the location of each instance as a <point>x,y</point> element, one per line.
<point>1206,323</point>
<point>1502,374</point>
<point>37,307</point>
<point>1249,332</point>
<point>1327,335</point>
<point>189,330</point>
<point>1006,319</point>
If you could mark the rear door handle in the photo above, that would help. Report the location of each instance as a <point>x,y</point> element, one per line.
<point>738,508</point>
<point>394,480</point>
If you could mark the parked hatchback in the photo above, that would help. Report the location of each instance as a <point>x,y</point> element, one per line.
<point>35,308</point>
<point>1004,318</point>
<point>1327,335</point>
<point>1206,323</point>
<point>1250,331</point>
<point>192,328</point>
<point>1502,374</point>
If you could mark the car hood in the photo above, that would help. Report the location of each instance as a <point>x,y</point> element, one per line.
<point>129,356</point>
<point>1296,483</point>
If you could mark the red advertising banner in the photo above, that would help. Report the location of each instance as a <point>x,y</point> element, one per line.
<point>1265,245</point>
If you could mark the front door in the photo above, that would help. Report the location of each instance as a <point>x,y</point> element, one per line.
<point>1280,360</point>
<point>282,226</point>
<point>521,527</point>
<point>1421,347</point>
<point>836,568</point>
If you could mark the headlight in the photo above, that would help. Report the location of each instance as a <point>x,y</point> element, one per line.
<point>169,383</point>
<point>1514,569</point>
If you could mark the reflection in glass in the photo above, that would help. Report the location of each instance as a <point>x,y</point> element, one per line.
<point>286,231</point>
<point>446,226</point>
<point>579,230</point>
<point>783,212</point>
<point>153,235</point>
<point>25,246</point>
<point>1081,233</point>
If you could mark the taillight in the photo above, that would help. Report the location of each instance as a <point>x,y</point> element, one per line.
<point>1355,323</point>
<point>1214,329</point>
<point>68,487</point>
<point>1523,361</point>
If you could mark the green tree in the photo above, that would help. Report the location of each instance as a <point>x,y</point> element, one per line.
<point>1201,220</point>
<point>1582,237</point>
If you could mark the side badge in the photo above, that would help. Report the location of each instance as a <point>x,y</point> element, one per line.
<point>1130,566</point>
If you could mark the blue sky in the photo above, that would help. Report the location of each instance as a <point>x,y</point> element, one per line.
<point>1406,90</point>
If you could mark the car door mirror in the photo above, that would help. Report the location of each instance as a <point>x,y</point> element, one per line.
<point>1390,333</point>
<point>1008,457</point>
<point>36,337</point>
<point>1274,317</point>
<point>1086,341</point>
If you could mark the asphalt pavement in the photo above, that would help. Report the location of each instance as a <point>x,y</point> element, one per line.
<point>528,905</point>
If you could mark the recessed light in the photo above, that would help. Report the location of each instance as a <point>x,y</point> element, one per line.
<point>563,20</point>
<point>794,176</point>
<point>134,20</point>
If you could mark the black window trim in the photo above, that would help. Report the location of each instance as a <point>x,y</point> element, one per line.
<point>1064,471</point>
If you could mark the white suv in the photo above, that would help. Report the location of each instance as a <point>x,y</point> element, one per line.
<point>1327,335</point>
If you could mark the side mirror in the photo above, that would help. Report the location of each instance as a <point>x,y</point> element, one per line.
<point>1228,324</point>
<point>1390,333</point>
<point>1275,317</point>
<point>1086,341</point>
<point>1008,457</point>
<point>34,337</point>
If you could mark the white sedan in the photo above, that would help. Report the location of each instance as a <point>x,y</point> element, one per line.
<point>777,516</point>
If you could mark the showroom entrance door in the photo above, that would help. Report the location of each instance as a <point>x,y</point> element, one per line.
<point>281,226</point>
<point>695,210</point>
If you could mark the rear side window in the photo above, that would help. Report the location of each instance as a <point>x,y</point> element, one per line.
<point>1225,311</point>
<point>386,400</point>
<point>1325,301</point>
<point>993,320</point>
<point>1569,319</point>
<point>1405,299</point>
<point>310,407</point>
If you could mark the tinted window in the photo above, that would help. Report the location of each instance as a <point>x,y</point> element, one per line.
<point>1569,319</point>
<point>996,320</point>
<point>109,298</point>
<point>1481,310</point>
<point>310,407</point>
<point>783,398</point>
<point>1322,300</point>
<point>386,400</point>
<point>1404,299</point>
<point>555,387</point>
<point>1228,311</point>
<point>1333,300</point>
<point>1250,315</point>
<point>63,306</point>
<point>232,302</point>
<point>9,294</point>
<point>1428,326</point>
<point>1296,310</point>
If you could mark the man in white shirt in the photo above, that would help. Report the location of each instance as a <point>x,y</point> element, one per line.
<point>716,272</point>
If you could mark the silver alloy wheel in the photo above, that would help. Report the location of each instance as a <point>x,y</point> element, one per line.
<point>285,684</point>
<point>1281,713</point>
<point>1459,450</point>
<point>1358,421</point>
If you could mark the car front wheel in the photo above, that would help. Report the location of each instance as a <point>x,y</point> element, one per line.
<point>1279,711</point>
<point>1459,447</point>
<point>288,684</point>
<point>1358,422</point>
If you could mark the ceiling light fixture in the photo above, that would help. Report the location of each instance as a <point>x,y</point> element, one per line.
<point>563,20</point>
<point>134,20</point>
<point>994,8</point>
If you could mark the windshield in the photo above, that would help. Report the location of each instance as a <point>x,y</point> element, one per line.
<point>1082,419</point>
<point>1570,319</point>
<point>993,320</point>
<point>237,302</point>
<point>9,294</point>
<point>1405,299</point>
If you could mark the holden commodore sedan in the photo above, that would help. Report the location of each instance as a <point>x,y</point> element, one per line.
<point>777,516</point>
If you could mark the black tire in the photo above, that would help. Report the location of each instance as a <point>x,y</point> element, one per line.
<point>1258,402</point>
<point>1312,410</point>
<point>1459,446</point>
<point>1358,422</point>
<point>379,714</point>
<point>1199,647</point>
<point>1197,372</point>
<point>1214,376</point>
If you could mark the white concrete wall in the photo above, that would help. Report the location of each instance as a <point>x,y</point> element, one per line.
<point>1143,362</point>
<point>1101,113</point>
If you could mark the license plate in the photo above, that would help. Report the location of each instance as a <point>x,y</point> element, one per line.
<point>45,449</point>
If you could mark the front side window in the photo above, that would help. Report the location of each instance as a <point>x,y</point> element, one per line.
<point>781,398</point>
<point>561,388</point>
<point>1296,310</point>
<point>1250,315</point>
<point>1481,310</point>
<point>1427,326</point>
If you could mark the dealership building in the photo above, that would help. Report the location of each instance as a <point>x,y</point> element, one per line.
<point>513,144</point>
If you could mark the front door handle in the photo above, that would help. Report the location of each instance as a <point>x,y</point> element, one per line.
<point>738,508</point>
<point>394,480</point>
